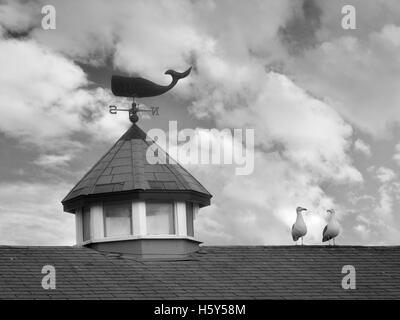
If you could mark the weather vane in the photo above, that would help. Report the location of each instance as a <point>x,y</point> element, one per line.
<point>137,87</point>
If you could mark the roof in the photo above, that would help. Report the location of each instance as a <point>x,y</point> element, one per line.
<point>237,272</point>
<point>124,168</point>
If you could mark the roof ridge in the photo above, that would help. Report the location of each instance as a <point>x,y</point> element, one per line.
<point>91,168</point>
<point>41,247</point>
<point>105,167</point>
<point>221,246</point>
<point>312,246</point>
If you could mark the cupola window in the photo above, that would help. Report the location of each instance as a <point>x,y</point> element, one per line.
<point>189,219</point>
<point>118,219</point>
<point>86,223</point>
<point>160,218</point>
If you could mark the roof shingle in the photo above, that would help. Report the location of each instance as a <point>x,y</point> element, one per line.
<point>237,272</point>
<point>125,168</point>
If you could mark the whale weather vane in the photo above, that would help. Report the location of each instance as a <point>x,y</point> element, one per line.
<point>137,87</point>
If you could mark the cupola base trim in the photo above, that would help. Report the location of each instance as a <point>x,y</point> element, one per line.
<point>149,248</point>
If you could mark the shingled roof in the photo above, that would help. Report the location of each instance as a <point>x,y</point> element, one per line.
<point>236,272</point>
<point>124,168</point>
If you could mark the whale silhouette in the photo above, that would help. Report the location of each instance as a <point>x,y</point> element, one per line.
<point>138,87</point>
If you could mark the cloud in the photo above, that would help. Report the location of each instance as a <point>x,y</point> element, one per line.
<point>46,101</point>
<point>388,190</point>
<point>396,156</point>
<point>31,214</point>
<point>253,210</point>
<point>31,91</point>
<point>385,205</point>
<point>363,231</point>
<point>147,37</point>
<point>307,131</point>
<point>371,16</point>
<point>52,160</point>
<point>357,77</point>
<point>362,147</point>
<point>174,35</point>
<point>164,35</point>
<point>300,30</point>
<point>300,143</point>
<point>377,223</point>
<point>385,175</point>
<point>19,17</point>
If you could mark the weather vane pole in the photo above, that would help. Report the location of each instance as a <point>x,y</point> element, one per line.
<point>136,87</point>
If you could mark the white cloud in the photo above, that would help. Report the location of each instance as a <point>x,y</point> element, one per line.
<point>146,37</point>
<point>52,160</point>
<point>356,199</point>
<point>396,156</point>
<point>308,132</point>
<point>253,209</point>
<point>18,17</point>
<point>377,223</point>
<point>45,100</point>
<point>362,147</point>
<point>385,175</point>
<point>356,76</point>
<point>167,34</point>
<point>371,16</point>
<point>385,205</point>
<point>301,142</point>
<point>31,214</point>
<point>363,231</point>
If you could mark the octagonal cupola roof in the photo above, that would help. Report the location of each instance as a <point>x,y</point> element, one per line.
<point>124,173</point>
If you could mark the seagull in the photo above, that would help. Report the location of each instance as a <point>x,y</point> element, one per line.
<point>299,229</point>
<point>332,229</point>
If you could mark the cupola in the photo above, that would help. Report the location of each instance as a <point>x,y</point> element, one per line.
<point>127,205</point>
<point>124,204</point>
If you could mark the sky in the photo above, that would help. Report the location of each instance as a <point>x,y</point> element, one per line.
<point>323,102</point>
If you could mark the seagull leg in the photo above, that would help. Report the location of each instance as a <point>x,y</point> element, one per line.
<point>301,240</point>
<point>333,241</point>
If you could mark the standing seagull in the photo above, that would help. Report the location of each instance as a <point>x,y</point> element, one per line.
<point>332,229</point>
<point>299,229</point>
